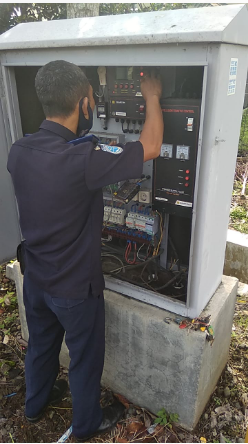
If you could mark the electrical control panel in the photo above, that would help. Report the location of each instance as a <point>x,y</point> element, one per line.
<point>174,170</point>
<point>125,99</point>
<point>147,223</point>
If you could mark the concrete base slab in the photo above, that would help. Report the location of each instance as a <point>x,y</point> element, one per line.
<point>155,364</point>
<point>236,257</point>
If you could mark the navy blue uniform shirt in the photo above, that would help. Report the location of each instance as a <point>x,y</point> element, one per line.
<point>58,187</point>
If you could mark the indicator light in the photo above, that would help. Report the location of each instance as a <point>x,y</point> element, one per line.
<point>141,74</point>
<point>187,171</point>
<point>186,184</point>
<point>131,86</point>
<point>116,86</point>
<point>187,178</point>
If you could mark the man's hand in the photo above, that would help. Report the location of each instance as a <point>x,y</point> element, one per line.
<point>150,86</point>
<point>152,133</point>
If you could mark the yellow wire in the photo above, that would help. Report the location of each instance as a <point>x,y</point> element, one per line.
<point>156,250</point>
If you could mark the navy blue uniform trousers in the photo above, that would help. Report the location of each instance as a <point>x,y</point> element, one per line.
<point>83,323</point>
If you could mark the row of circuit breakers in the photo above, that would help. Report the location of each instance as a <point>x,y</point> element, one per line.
<point>173,171</point>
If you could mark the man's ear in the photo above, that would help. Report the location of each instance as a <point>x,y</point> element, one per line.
<point>85,107</point>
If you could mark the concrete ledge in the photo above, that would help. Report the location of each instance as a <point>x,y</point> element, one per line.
<point>10,272</point>
<point>155,364</point>
<point>236,259</point>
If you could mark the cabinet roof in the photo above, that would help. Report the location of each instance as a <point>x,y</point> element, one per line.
<point>227,24</point>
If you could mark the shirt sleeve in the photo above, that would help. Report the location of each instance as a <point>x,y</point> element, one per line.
<point>106,165</point>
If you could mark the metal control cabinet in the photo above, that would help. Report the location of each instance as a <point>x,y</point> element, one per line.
<point>192,180</point>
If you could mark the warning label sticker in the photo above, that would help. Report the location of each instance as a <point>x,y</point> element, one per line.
<point>184,204</point>
<point>232,77</point>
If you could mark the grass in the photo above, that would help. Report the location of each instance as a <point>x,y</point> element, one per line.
<point>239,219</point>
<point>239,213</point>
<point>243,140</point>
<point>242,322</point>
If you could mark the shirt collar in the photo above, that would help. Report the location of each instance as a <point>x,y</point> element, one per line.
<point>56,128</point>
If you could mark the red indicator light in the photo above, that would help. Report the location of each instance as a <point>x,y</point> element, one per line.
<point>186,184</point>
<point>141,74</point>
<point>187,178</point>
<point>187,171</point>
<point>126,86</point>
<point>131,86</point>
<point>116,86</point>
<point>121,86</point>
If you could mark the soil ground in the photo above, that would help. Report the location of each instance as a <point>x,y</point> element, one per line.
<point>225,418</point>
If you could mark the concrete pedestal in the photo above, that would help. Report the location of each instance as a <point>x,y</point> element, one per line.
<point>155,364</point>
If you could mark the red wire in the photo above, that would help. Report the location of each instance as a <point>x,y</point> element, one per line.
<point>128,251</point>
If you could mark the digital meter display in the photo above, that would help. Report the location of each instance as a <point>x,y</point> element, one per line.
<point>166,151</point>
<point>182,152</point>
<point>124,73</point>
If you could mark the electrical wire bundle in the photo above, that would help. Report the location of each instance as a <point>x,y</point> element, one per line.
<point>128,253</point>
<point>146,262</point>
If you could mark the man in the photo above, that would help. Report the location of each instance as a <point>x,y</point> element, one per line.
<point>58,188</point>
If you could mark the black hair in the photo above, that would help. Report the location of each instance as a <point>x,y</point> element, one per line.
<point>59,86</point>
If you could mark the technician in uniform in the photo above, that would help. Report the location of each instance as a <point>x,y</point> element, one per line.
<point>58,185</point>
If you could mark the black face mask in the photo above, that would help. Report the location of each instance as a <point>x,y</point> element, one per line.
<point>84,125</point>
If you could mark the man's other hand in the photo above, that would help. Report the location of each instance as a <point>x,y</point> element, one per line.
<point>150,86</point>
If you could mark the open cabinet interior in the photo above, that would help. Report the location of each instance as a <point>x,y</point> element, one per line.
<point>147,226</point>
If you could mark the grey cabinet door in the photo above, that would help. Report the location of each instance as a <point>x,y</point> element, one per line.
<point>10,235</point>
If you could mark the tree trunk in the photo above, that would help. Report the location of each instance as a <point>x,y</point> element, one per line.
<point>76,10</point>
<point>245,177</point>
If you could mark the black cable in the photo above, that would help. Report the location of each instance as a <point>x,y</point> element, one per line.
<point>131,281</point>
<point>115,257</point>
<point>169,282</point>
<point>175,252</point>
<point>152,258</point>
<point>108,247</point>
<point>147,286</point>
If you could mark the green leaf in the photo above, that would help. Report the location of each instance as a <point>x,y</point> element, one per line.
<point>174,417</point>
<point>11,363</point>
<point>161,412</point>
<point>158,420</point>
